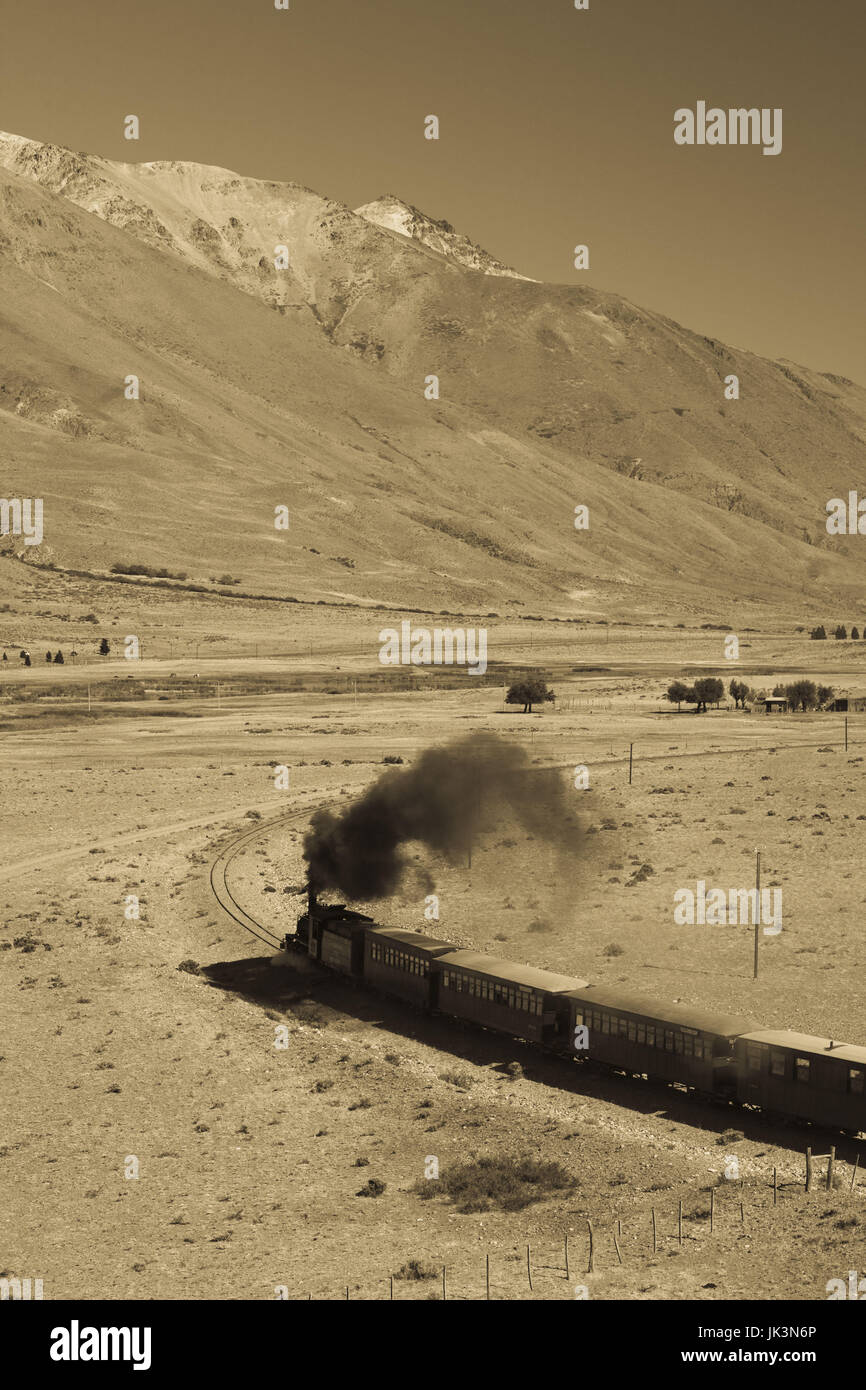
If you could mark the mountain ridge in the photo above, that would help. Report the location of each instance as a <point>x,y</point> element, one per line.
<point>549,396</point>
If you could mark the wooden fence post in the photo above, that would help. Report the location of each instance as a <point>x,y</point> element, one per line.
<point>591,1246</point>
<point>808,1169</point>
<point>775,1186</point>
<point>487,1266</point>
<point>831,1161</point>
<point>566,1255</point>
<point>529,1266</point>
<point>712,1208</point>
<point>680,1222</point>
<point>655,1236</point>
<point>854,1174</point>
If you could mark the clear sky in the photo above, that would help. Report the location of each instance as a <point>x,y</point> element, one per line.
<point>556,129</point>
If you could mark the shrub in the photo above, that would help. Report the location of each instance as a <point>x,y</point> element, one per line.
<point>498,1184</point>
<point>374,1187</point>
<point>416,1270</point>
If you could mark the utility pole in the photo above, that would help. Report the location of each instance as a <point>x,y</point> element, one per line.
<point>757,908</point>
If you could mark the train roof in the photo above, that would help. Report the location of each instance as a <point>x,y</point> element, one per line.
<point>723,1025</point>
<point>411,938</point>
<point>805,1043</point>
<point>515,974</point>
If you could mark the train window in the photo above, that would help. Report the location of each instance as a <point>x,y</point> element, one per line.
<point>802,1068</point>
<point>605,1023</point>
<point>699,1048</point>
<point>755,1057</point>
<point>640,1035</point>
<point>679,1043</point>
<point>446,979</point>
<point>688,1045</point>
<point>669,1040</point>
<point>632,1031</point>
<point>578,1016</point>
<point>651,1035</point>
<point>856,1079</point>
<point>622,1027</point>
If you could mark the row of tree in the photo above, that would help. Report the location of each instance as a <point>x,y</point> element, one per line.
<point>803,694</point>
<point>800,694</point>
<point>707,690</point>
<point>57,657</point>
<point>819,634</point>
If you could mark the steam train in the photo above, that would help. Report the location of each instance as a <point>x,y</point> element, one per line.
<point>720,1057</point>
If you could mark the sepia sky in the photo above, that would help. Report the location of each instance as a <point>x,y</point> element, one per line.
<point>556,128</point>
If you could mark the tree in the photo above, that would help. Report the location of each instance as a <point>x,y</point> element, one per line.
<point>528,692</point>
<point>58,660</point>
<point>104,647</point>
<point>26,658</point>
<point>48,656</point>
<point>5,657</point>
<point>855,635</point>
<point>802,694</point>
<point>677,693</point>
<point>841,633</point>
<point>825,695</point>
<point>708,690</point>
<point>818,634</point>
<point>740,692</point>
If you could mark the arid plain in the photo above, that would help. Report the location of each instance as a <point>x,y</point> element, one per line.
<point>251,1157</point>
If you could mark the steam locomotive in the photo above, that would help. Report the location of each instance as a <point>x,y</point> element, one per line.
<point>715,1056</point>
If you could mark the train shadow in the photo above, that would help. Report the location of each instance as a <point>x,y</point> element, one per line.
<point>322,999</point>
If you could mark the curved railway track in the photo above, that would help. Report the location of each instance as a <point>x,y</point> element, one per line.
<point>219,876</point>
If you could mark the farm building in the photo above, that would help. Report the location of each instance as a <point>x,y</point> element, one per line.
<point>847,701</point>
<point>774,704</point>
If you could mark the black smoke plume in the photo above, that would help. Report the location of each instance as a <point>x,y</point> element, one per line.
<point>439,802</point>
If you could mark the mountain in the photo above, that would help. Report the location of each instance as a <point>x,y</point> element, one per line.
<point>305,387</point>
<point>396,216</point>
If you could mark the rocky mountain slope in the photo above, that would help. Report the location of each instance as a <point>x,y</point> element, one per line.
<point>305,387</point>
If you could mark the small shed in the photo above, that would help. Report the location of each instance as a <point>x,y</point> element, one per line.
<point>774,704</point>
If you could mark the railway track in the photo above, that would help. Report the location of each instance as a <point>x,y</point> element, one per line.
<point>219,876</point>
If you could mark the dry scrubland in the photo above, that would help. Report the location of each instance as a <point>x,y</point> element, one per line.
<point>251,1158</point>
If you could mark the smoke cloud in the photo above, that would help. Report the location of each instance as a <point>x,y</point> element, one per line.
<point>439,802</point>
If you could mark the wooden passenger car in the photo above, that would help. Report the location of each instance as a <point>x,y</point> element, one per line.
<point>399,962</point>
<point>666,1042</point>
<point>498,994</point>
<point>804,1077</point>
